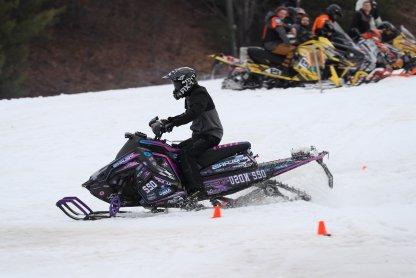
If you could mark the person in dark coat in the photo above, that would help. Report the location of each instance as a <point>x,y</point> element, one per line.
<point>303,29</point>
<point>206,126</point>
<point>374,11</point>
<point>362,20</point>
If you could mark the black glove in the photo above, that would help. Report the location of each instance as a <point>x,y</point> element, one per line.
<point>158,128</point>
<point>167,125</point>
<point>154,120</point>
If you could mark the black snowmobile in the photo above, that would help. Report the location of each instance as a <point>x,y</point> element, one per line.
<point>145,173</point>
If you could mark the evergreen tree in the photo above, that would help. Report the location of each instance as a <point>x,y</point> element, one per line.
<point>20,21</point>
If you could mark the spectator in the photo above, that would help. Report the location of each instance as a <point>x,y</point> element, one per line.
<point>303,29</point>
<point>374,12</point>
<point>275,35</point>
<point>363,22</point>
<point>362,18</point>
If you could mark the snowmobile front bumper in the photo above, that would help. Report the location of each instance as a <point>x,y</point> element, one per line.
<point>76,209</point>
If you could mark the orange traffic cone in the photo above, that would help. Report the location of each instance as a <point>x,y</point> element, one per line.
<point>217,212</point>
<point>322,230</point>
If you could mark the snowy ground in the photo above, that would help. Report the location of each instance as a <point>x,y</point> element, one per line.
<point>49,146</point>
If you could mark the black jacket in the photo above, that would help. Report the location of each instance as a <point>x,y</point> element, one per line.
<point>303,33</point>
<point>361,22</point>
<point>274,32</point>
<point>200,110</point>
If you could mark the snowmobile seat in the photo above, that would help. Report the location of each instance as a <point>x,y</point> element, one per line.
<point>262,56</point>
<point>222,151</point>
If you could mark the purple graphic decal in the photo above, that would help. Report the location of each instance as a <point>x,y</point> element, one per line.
<point>161,144</point>
<point>131,164</point>
<point>125,159</point>
<point>172,165</point>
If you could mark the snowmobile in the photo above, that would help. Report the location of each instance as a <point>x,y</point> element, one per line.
<point>402,39</point>
<point>361,54</point>
<point>389,60</point>
<point>314,60</point>
<point>145,174</point>
<point>374,60</point>
<point>404,44</point>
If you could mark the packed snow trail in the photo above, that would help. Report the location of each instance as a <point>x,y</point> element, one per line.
<point>51,145</point>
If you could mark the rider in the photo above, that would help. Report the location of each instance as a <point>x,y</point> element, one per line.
<point>275,35</point>
<point>324,24</point>
<point>206,126</point>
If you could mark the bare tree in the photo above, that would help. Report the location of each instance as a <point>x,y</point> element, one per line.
<point>246,13</point>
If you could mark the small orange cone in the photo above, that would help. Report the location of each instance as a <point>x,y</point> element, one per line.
<point>322,230</point>
<point>217,212</point>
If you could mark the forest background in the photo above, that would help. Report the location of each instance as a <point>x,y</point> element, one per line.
<point>50,47</point>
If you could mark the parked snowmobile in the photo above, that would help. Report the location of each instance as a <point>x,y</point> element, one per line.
<point>404,45</point>
<point>402,39</point>
<point>375,60</point>
<point>363,57</point>
<point>145,173</point>
<point>315,60</point>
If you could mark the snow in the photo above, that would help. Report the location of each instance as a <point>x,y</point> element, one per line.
<point>51,145</point>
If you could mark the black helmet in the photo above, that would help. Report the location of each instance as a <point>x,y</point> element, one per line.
<point>386,26</point>
<point>390,32</point>
<point>183,79</point>
<point>334,11</point>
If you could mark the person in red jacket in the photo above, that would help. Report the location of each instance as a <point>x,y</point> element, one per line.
<point>325,23</point>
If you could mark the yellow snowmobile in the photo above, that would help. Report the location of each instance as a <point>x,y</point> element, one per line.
<point>315,60</point>
<point>403,42</point>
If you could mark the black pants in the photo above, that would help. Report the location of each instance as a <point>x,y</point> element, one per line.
<point>191,150</point>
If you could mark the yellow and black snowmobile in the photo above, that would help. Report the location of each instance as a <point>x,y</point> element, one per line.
<point>315,60</point>
<point>403,40</point>
<point>403,43</point>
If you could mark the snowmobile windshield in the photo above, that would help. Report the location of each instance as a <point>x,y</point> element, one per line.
<point>406,33</point>
<point>343,42</point>
<point>340,37</point>
<point>331,51</point>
